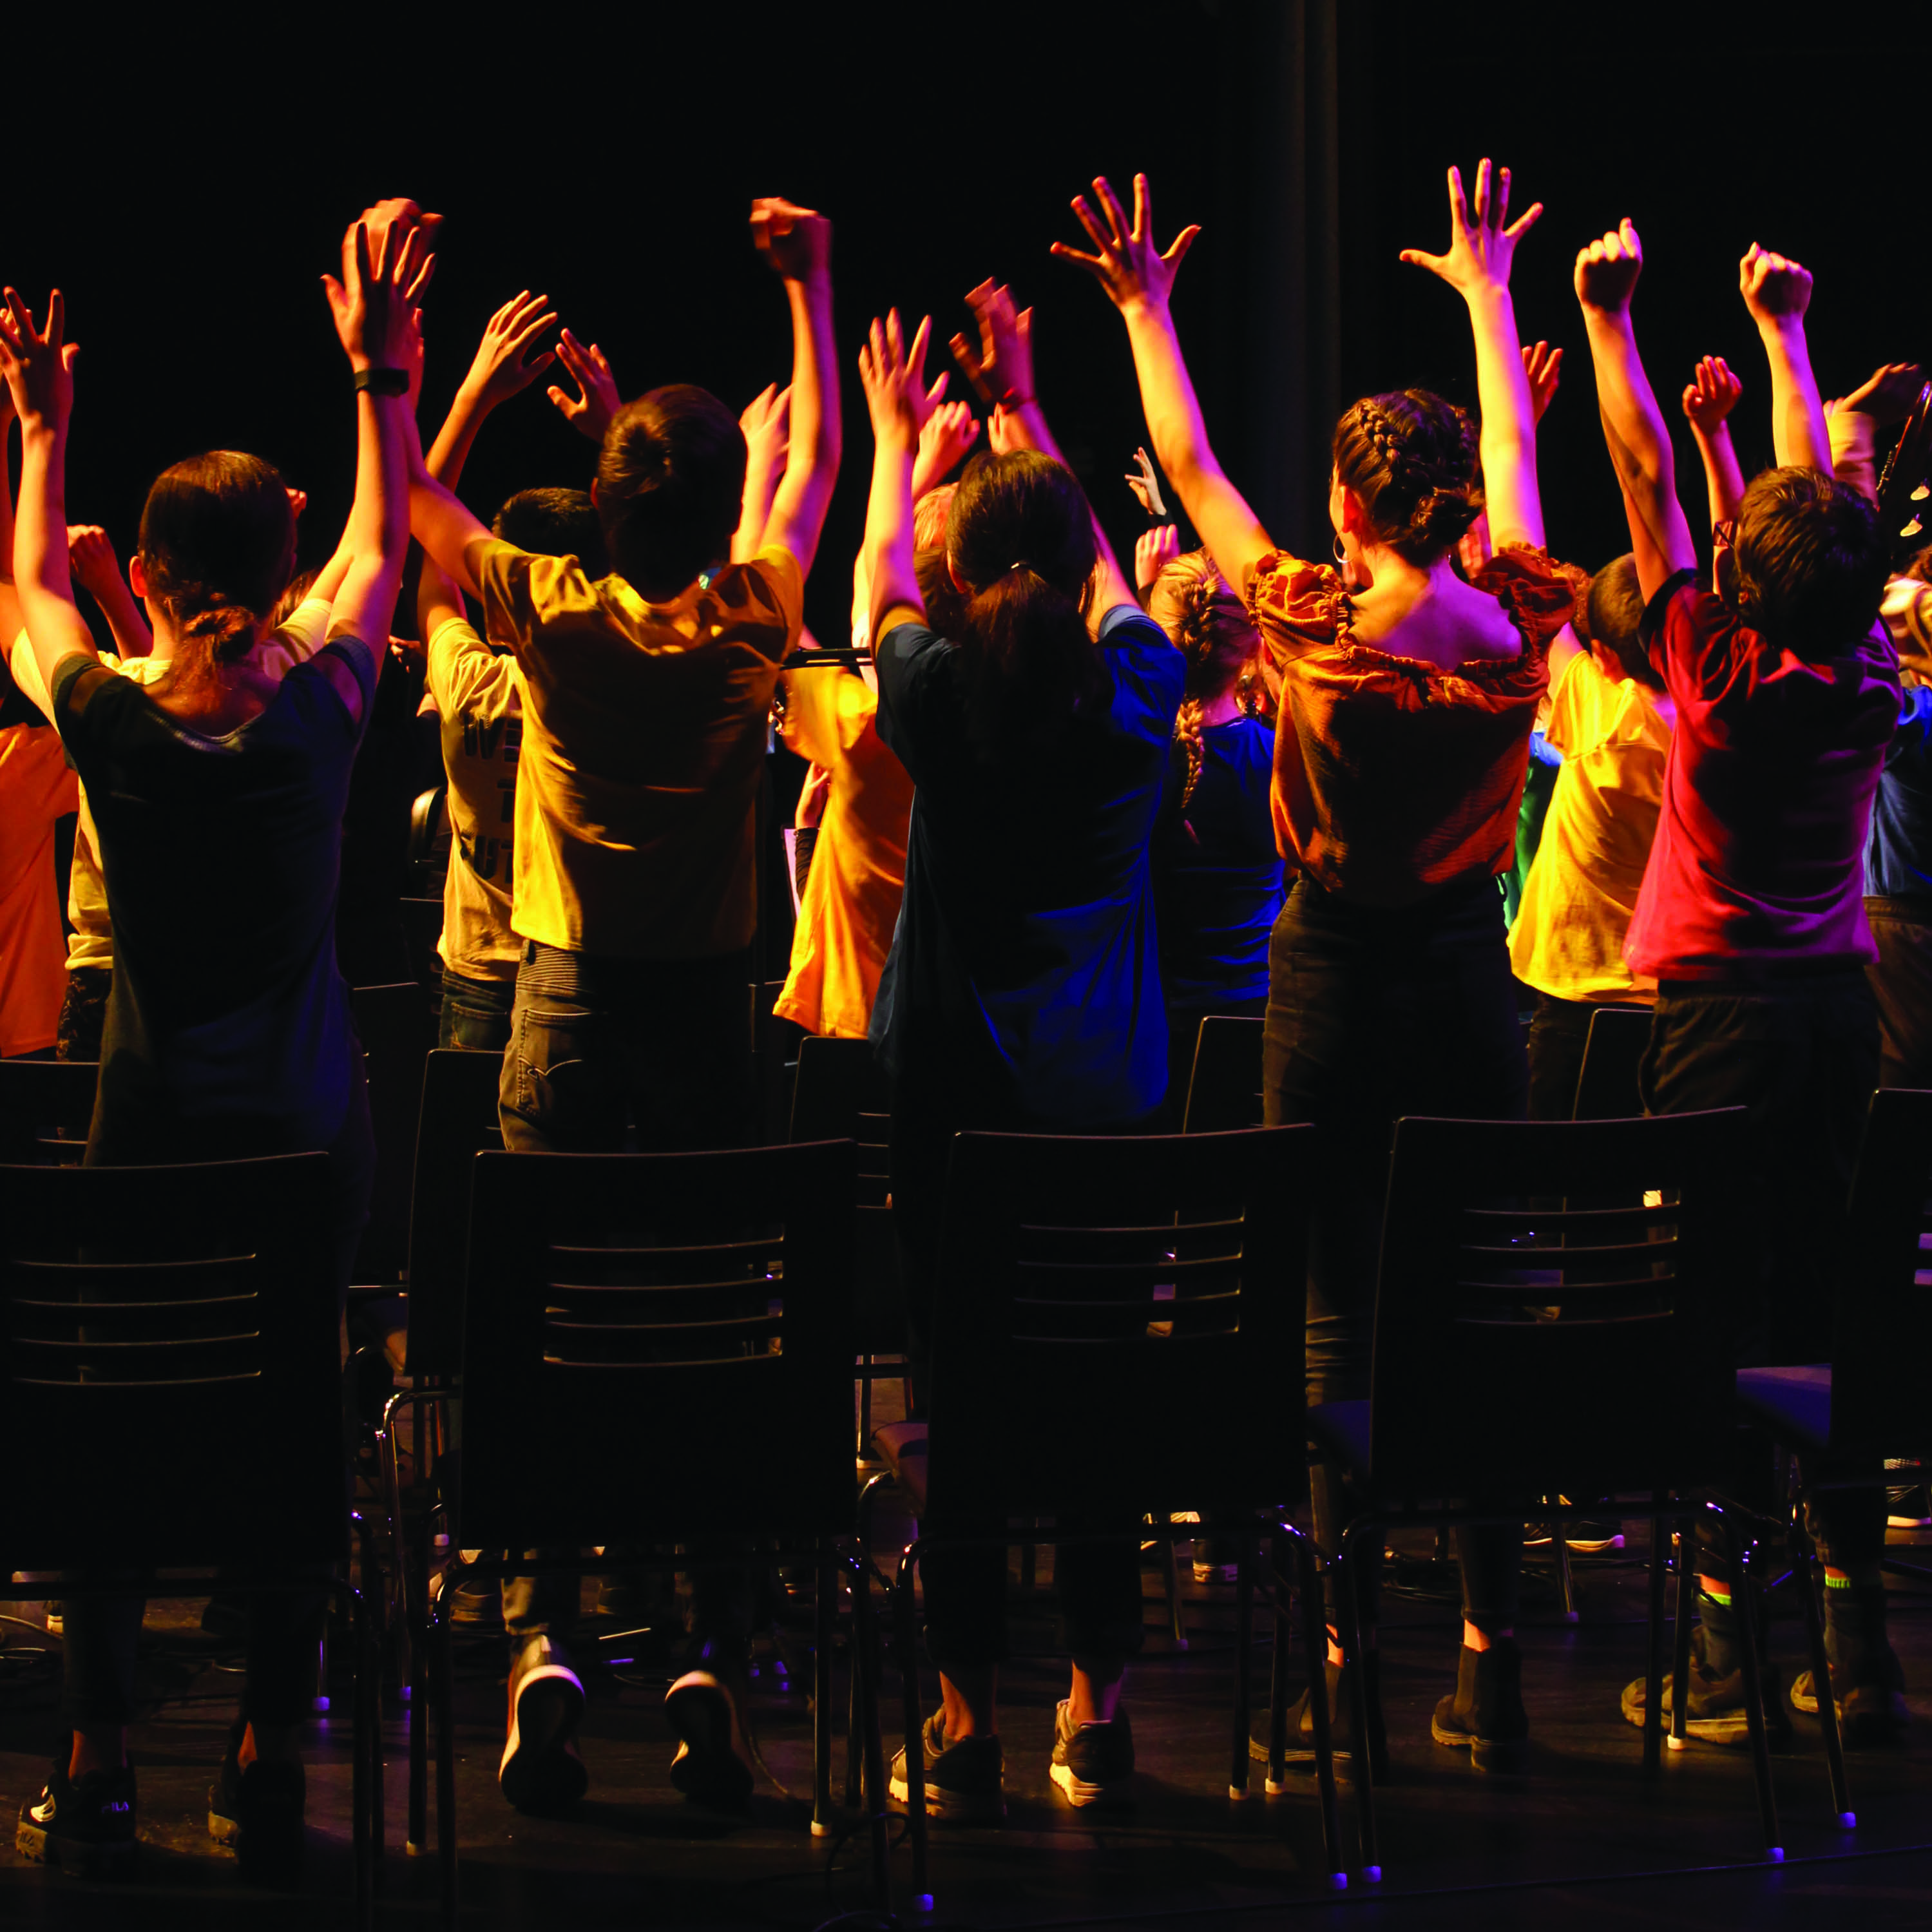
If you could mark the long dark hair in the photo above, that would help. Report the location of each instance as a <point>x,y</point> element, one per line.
<point>1021,537</point>
<point>1411,457</point>
<point>217,543</point>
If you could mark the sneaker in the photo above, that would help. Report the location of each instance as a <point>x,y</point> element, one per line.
<point>710,1768</point>
<point>1216,1560</point>
<point>541,1770</point>
<point>1714,1709</point>
<point>1299,1754</point>
<point>1909,1507</point>
<point>1872,1713</point>
<point>84,1825</point>
<point>257,1812</point>
<point>56,1618</point>
<point>1093,1764</point>
<point>1485,1711</point>
<point>1585,1536</point>
<point>965,1782</point>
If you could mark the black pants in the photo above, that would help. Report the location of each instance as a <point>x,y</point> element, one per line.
<point>83,1012</point>
<point>1558,1033</point>
<point>1098,1584</point>
<point>1373,1013</point>
<point>1901,983</point>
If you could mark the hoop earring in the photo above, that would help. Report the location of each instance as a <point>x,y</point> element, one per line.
<point>1341,555</point>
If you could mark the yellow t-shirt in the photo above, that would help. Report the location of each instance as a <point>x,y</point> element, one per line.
<point>1568,937</point>
<point>643,746</point>
<point>479,699</point>
<point>300,637</point>
<point>857,879</point>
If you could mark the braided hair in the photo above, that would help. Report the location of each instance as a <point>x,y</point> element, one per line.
<point>1195,605</point>
<point>1411,457</point>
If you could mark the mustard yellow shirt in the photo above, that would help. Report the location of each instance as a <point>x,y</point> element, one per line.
<point>479,700</point>
<point>1568,937</point>
<point>857,879</point>
<point>643,746</point>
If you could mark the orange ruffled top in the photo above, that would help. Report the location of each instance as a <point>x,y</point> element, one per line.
<point>1394,778</point>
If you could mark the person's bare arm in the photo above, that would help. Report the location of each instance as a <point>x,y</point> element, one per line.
<point>1709,398</point>
<point>1476,266</point>
<point>10,600</point>
<point>503,366</point>
<point>1633,427</point>
<point>91,558</point>
<point>767,426</point>
<point>799,243</point>
<point>1138,280</point>
<point>1777,291</point>
<point>1003,366</point>
<point>893,377</point>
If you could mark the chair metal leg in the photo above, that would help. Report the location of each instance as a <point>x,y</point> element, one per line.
<point>1315,1631</point>
<point>360,1751</point>
<point>1171,1567</point>
<point>1653,1681</point>
<point>416,1832</point>
<point>821,1699</point>
<point>1277,1763</point>
<point>440,1647</point>
<point>1566,1584</point>
<point>1743,1597</point>
<point>1244,1667</point>
<point>1680,1663</point>
<point>862,1588</point>
<point>867,1668</point>
<point>1357,1656</point>
<point>1805,1568</point>
<point>915,1725</point>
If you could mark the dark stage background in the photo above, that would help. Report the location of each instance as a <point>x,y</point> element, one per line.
<point>186,195</point>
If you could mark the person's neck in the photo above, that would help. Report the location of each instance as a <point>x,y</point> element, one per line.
<point>1382,571</point>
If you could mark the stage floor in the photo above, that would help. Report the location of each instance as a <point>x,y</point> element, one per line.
<point>1584,1841</point>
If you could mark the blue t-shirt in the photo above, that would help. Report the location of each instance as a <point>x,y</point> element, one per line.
<point>1898,848</point>
<point>1025,955</point>
<point>1217,877</point>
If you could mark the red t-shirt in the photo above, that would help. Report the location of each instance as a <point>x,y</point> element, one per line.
<point>1759,862</point>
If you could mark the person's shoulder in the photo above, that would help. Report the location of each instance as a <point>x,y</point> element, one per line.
<point>1540,594</point>
<point>1289,596</point>
<point>770,586</point>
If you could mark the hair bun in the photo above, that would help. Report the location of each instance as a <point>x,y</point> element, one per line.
<point>228,630</point>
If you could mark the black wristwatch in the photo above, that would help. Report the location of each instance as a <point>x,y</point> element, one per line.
<point>383,382</point>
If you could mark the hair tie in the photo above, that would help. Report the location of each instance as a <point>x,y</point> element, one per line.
<point>1021,565</point>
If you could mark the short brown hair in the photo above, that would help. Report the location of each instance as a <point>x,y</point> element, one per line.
<point>670,487</point>
<point>1809,561</point>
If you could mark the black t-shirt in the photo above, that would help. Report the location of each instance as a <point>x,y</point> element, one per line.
<point>228,1028</point>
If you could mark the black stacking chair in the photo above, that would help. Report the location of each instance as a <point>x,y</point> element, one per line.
<point>188,1314</point>
<point>46,1108</point>
<point>1604,1329</point>
<point>1224,1091</point>
<point>1846,1417</point>
<point>430,842</point>
<point>393,1023</point>
<point>458,1121</point>
<point>1606,1086</point>
<point>1096,1299</point>
<point>841,1093</point>
<point>675,1330</point>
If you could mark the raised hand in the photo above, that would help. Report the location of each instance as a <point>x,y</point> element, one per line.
<point>1887,395</point>
<point>797,242</point>
<point>950,431</point>
<point>894,377</point>
<point>1001,369</point>
<point>1154,549</point>
<point>298,500</point>
<point>589,411</point>
<point>1607,270</point>
<point>1544,366</point>
<point>370,303</point>
<point>37,365</point>
<point>1131,270</point>
<point>1481,249</point>
<point>399,211</point>
<point>766,425</point>
<point>1711,394</point>
<point>1144,480</point>
<point>1774,286</point>
<point>504,366</point>
<point>90,555</point>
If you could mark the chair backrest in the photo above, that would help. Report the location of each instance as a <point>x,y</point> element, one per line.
<point>430,841</point>
<point>1584,1349</point>
<point>46,1108</point>
<point>1225,1090</point>
<point>1119,1323</point>
<point>458,1121</point>
<point>1882,1343</point>
<point>670,1334</point>
<point>842,1093</point>
<point>169,1366</point>
<point>393,1023</point>
<point>1606,1087</point>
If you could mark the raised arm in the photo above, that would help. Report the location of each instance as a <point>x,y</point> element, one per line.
<point>1709,398</point>
<point>10,599</point>
<point>374,312</point>
<point>766,427</point>
<point>1476,266</point>
<point>1853,422</point>
<point>1777,291</point>
<point>894,379</point>
<point>1138,280</point>
<point>503,366</point>
<point>799,244</point>
<point>90,555</point>
<point>1633,426</point>
<point>39,369</point>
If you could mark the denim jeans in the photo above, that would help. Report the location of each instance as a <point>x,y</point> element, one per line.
<point>1374,1013</point>
<point>476,1014</point>
<point>1901,983</point>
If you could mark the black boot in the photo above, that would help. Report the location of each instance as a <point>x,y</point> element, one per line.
<point>1300,1752</point>
<point>1486,1712</point>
